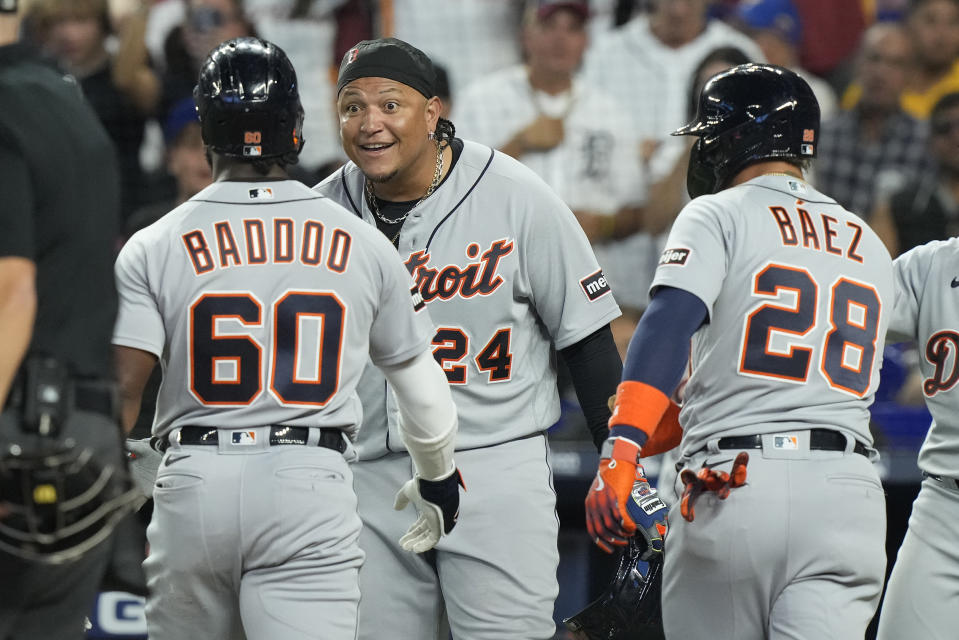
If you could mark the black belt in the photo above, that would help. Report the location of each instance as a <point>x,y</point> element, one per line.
<point>949,482</point>
<point>819,440</point>
<point>330,437</point>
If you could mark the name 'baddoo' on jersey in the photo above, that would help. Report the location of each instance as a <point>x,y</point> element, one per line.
<point>799,226</point>
<point>221,246</point>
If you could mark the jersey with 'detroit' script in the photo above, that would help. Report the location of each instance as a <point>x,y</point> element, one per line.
<point>507,274</point>
<point>927,311</point>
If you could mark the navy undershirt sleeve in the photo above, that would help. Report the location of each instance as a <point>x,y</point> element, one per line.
<point>659,349</point>
<point>595,369</point>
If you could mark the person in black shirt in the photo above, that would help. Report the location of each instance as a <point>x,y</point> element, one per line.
<point>59,436</point>
<point>927,207</point>
<point>122,87</point>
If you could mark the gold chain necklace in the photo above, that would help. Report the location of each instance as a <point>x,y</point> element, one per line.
<point>371,197</point>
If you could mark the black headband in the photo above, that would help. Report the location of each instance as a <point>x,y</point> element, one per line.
<point>388,58</point>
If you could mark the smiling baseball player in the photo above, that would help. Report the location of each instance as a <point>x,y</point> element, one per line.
<point>509,279</point>
<point>264,301</point>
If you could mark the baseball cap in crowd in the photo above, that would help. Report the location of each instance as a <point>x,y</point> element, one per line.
<point>546,8</point>
<point>388,58</point>
<point>777,15</point>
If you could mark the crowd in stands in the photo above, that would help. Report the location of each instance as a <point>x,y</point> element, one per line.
<point>584,92</point>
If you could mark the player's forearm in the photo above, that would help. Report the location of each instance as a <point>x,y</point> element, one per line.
<point>595,369</point>
<point>428,415</point>
<point>18,305</point>
<point>655,362</point>
<point>133,368</point>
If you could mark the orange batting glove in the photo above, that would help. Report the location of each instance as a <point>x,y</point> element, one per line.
<point>607,519</point>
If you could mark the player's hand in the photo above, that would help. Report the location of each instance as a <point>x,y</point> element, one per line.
<point>144,461</point>
<point>438,503</point>
<point>649,513</point>
<point>542,134</point>
<point>607,519</point>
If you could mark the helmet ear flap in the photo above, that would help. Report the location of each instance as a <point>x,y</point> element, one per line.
<point>700,177</point>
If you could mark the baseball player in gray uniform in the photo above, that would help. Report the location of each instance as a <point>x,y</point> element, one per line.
<point>263,302</point>
<point>786,297</point>
<point>509,279</point>
<point>922,597</point>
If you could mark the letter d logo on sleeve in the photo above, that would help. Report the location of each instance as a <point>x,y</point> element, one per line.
<point>595,286</point>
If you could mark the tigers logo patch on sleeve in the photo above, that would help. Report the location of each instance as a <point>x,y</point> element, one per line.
<point>595,286</point>
<point>674,256</point>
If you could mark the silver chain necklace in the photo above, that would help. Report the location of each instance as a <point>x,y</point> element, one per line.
<point>371,197</point>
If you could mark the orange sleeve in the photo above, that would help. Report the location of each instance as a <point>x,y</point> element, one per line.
<point>667,434</point>
<point>638,405</point>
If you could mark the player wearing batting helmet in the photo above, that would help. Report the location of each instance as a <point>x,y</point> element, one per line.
<point>264,302</point>
<point>786,297</point>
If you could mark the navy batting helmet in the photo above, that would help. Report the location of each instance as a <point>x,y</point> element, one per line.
<point>749,113</point>
<point>630,607</point>
<point>248,101</point>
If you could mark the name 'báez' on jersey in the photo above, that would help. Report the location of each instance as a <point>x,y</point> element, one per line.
<point>285,244</point>
<point>476,278</point>
<point>819,232</point>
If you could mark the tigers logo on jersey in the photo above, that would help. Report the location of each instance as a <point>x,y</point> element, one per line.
<point>595,286</point>
<point>674,256</point>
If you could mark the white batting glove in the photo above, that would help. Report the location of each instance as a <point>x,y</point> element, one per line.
<point>437,502</point>
<point>144,461</point>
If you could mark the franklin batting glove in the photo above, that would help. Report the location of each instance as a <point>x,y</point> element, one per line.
<point>649,513</point>
<point>438,503</point>
<point>607,519</point>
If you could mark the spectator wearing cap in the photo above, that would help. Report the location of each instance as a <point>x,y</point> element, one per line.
<point>185,161</point>
<point>776,27</point>
<point>927,207</point>
<point>574,136</point>
<point>875,147</point>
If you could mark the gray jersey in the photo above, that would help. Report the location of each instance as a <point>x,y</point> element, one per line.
<point>798,292</point>
<point>927,310</point>
<point>214,285</point>
<point>507,274</point>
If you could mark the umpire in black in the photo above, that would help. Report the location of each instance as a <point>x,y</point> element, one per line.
<point>63,481</point>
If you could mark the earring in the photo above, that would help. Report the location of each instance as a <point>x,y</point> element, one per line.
<point>431,135</point>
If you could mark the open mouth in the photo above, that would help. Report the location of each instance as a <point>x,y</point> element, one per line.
<point>376,147</point>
